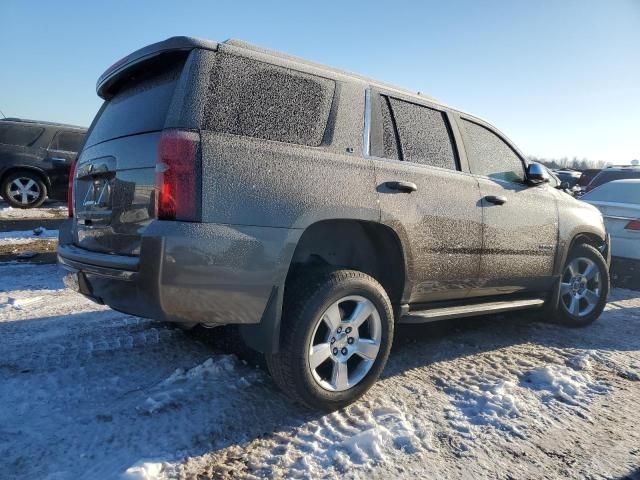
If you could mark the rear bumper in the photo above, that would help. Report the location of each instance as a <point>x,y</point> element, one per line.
<point>186,272</point>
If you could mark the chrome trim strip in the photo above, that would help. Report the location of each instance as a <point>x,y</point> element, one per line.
<point>366,134</point>
<point>615,217</point>
<point>74,266</point>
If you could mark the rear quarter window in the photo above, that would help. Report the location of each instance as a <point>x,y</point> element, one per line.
<point>261,100</point>
<point>19,135</point>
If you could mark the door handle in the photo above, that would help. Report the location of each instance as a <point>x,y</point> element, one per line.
<point>407,187</point>
<point>496,200</point>
<point>58,159</point>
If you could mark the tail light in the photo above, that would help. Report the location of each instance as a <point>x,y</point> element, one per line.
<point>72,173</point>
<point>177,179</point>
<point>633,225</point>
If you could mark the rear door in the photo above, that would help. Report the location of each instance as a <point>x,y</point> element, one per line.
<point>114,189</point>
<point>425,197</point>
<point>520,222</point>
<point>62,151</point>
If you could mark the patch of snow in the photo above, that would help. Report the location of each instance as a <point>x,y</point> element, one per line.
<point>20,237</point>
<point>562,383</point>
<point>145,470</point>
<point>10,213</point>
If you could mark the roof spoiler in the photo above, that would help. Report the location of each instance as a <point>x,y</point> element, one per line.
<point>173,44</point>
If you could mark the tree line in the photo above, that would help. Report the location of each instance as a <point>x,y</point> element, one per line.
<point>565,162</point>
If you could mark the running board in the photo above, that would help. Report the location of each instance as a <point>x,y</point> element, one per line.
<point>487,308</point>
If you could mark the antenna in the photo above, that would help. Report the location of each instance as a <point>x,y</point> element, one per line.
<point>2,113</point>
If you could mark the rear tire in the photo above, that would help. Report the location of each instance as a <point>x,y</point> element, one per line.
<point>584,287</point>
<point>341,323</point>
<point>24,189</point>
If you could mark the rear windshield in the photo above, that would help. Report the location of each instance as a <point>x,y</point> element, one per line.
<point>140,104</point>
<point>621,192</point>
<point>608,176</point>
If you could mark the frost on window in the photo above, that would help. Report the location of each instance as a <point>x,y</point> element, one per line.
<point>489,155</point>
<point>424,135</point>
<point>260,100</point>
<point>389,140</point>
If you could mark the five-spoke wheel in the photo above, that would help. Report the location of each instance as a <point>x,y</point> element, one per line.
<point>345,343</point>
<point>335,337</point>
<point>584,287</point>
<point>24,189</point>
<point>580,288</point>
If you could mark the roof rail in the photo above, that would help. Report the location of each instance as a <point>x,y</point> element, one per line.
<point>623,166</point>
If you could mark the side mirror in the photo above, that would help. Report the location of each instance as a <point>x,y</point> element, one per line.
<point>537,174</point>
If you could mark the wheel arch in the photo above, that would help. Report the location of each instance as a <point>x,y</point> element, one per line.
<point>371,247</point>
<point>28,168</point>
<point>594,238</point>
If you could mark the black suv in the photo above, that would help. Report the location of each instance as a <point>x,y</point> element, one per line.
<point>35,158</point>
<point>222,183</point>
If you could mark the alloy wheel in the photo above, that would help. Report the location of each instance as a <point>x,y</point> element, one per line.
<point>345,343</point>
<point>24,190</point>
<point>580,287</point>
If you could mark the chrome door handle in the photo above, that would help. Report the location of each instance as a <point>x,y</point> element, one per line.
<point>58,159</point>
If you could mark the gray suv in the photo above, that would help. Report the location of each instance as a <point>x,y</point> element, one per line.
<point>222,183</point>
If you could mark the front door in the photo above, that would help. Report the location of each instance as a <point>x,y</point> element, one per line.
<point>426,198</point>
<point>520,221</point>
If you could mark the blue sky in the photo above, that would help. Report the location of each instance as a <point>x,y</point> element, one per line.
<point>561,78</point>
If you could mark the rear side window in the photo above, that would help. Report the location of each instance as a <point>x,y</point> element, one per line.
<point>20,135</point>
<point>489,155</point>
<point>67,141</point>
<point>424,134</point>
<point>265,101</point>
<point>140,104</point>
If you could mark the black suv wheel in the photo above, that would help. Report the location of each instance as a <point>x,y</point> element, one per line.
<point>336,335</point>
<point>584,287</point>
<point>23,189</point>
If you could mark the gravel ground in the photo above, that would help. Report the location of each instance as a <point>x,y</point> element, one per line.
<point>86,392</point>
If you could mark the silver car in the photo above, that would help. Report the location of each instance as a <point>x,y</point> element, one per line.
<point>619,202</point>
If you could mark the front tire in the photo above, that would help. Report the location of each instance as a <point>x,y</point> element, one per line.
<point>584,287</point>
<point>24,189</point>
<point>335,338</point>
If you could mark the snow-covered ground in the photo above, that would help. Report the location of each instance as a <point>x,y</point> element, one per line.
<point>27,236</point>
<point>86,392</point>
<point>48,211</point>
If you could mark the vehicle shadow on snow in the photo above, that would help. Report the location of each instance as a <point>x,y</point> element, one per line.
<point>113,390</point>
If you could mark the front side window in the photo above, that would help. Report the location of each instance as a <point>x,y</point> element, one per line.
<point>489,155</point>
<point>261,100</point>
<point>20,135</point>
<point>67,141</point>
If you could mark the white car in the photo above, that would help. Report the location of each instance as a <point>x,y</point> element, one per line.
<point>619,202</point>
